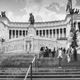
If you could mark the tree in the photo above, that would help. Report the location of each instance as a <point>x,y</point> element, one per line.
<point>74,45</point>
<point>74,40</point>
<point>73,29</point>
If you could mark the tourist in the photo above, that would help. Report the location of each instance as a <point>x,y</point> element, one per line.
<point>41,51</point>
<point>53,53</point>
<point>60,56</point>
<point>46,52</point>
<point>75,54</point>
<point>64,50</point>
<point>68,54</point>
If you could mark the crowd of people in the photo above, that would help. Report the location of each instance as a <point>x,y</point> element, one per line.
<point>46,52</point>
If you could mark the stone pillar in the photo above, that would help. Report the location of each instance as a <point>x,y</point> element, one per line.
<point>21,32</point>
<point>46,33</point>
<point>18,34</point>
<point>15,33</point>
<point>52,33</point>
<point>56,33</point>
<point>38,32</point>
<point>25,32</point>
<point>42,33</point>
<point>59,33</point>
<point>49,33</point>
<point>11,34</point>
<point>63,33</point>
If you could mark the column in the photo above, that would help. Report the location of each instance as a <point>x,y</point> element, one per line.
<point>11,34</point>
<point>22,33</point>
<point>42,32</point>
<point>15,33</point>
<point>49,33</point>
<point>18,34</point>
<point>38,32</point>
<point>25,32</point>
<point>59,33</point>
<point>63,33</point>
<point>52,33</point>
<point>46,33</point>
<point>56,33</point>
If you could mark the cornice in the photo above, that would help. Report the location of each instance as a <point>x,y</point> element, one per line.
<point>39,24</point>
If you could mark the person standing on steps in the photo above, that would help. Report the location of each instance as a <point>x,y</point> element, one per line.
<point>60,56</point>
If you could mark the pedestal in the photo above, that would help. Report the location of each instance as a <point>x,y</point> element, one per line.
<point>31,31</point>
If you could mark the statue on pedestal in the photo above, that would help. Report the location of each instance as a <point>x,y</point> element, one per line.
<point>31,28</point>
<point>3,14</point>
<point>31,19</point>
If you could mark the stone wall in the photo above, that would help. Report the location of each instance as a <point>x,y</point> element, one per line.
<point>32,44</point>
<point>14,45</point>
<point>50,43</point>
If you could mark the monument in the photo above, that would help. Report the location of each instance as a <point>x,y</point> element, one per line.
<point>31,28</point>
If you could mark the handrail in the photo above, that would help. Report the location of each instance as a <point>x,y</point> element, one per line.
<point>29,68</point>
<point>27,72</point>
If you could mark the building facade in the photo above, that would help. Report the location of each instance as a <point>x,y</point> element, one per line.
<point>23,36</point>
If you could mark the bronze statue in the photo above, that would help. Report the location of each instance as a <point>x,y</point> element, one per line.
<point>3,14</point>
<point>31,19</point>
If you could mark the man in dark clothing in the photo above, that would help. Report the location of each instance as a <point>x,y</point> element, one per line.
<point>75,54</point>
<point>53,53</point>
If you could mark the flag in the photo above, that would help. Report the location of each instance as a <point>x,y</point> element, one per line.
<point>69,5</point>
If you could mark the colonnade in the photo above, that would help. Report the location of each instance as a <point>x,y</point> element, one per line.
<point>17,33</point>
<point>52,33</point>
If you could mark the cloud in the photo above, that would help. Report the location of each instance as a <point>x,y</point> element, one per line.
<point>77,3</point>
<point>43,10</point>
<point>53,7</point>
<point>56,7</point>
<point>18,18</point>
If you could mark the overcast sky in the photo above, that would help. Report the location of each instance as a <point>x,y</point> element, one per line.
<point>43,10</point>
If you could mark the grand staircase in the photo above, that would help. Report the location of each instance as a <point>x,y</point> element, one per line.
<point>55,74</point>
<point>44,69</point>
